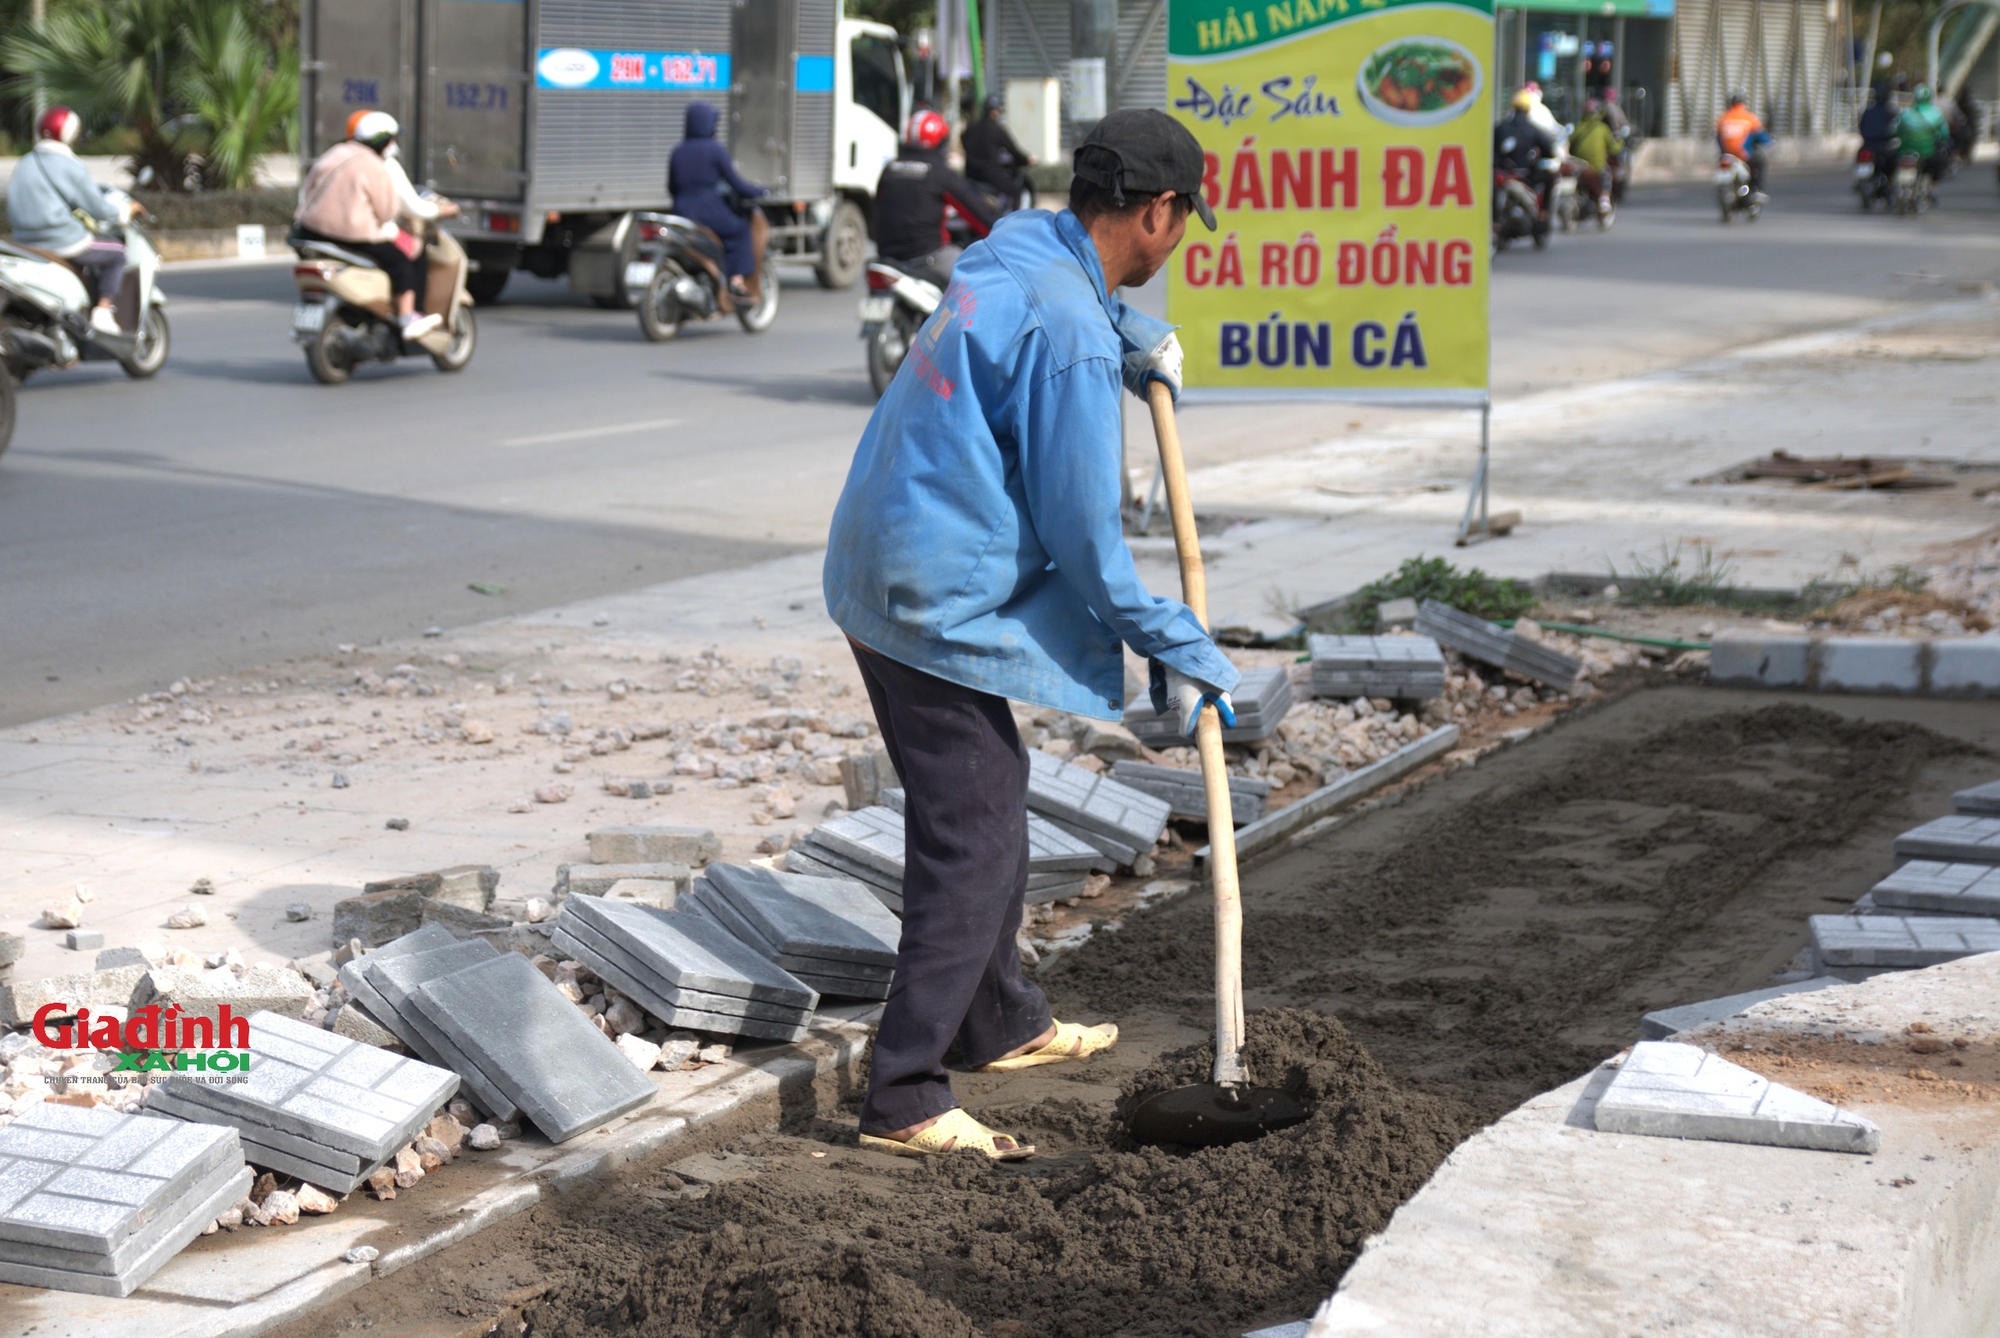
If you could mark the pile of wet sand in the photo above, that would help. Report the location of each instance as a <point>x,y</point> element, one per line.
<point>1122,1240</point>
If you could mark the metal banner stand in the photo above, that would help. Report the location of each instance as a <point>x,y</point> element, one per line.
<point>1489,525</point>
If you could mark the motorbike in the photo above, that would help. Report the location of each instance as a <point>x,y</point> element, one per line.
<point>1733,195</point>
<point>45,319</point>
<point>676,277</point>
<point>345,316</point>
<point>1563,202</point>
<point>895,307</point>
<point>1912,190</point>
<point>1517,210</point>
<point>1874,178</point>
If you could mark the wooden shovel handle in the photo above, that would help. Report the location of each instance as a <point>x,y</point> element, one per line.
<point>1214,769</point>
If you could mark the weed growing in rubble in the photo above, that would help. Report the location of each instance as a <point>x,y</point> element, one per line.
<point>1676,578</point>
<point>1421,578</point>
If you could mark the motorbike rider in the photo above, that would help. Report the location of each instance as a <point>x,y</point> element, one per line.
<point>1596,143</point>
<point>48,186</point>
<point>1521,145</point>
<point>1538,111</point>
<point>1740,133</point>
<point>1923,132</point>
<point>349,198</point>
<point>696,174</point>
<point>911,198</point>
<point>1878,129</point>
<point>992,158</point>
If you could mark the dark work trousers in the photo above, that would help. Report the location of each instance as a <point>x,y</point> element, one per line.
<point>965,871</point>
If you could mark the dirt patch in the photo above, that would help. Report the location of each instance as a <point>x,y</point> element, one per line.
<point>1918,1068</point>
<point>1418,971</point>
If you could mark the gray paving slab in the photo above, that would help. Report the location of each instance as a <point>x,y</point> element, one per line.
<point>640,989</point>
<point>1182,791</point>
<point>809,857</point>
<point>84,1177</point>
<point>1936,886</point>
<point>1664,1022</point>
<point>690,953</point>
<point>1368,666</point>
<point>1497,646</point>
<point>159,1101</point>
<point>1960,838</point>
<point>354,975</point>
<point>1899,940</point>
<point>718,909</point>
<point>142,1241</point>
<point>561,1070</point>
<point>1296,1329</point>
<point>1116,854</point>
<point>193,1214</point>
<point>1979,801</point>
<point>843,987</point>
<point>397,980</point>
<point>871,837</point>
<point>609,948</point>
<point>1043,894</point>
<point>1666,1089</point>
<point>1261,701</point>
<point>810,917</point>
<point>326,1088</point>
<point>1088,802</point>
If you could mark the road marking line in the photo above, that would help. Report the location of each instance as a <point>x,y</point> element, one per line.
<point>585,433</point>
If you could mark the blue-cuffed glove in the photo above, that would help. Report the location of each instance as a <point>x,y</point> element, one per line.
<point>1173,691</point>
<point>1152,352</point>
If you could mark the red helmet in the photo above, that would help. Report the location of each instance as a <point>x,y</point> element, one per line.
<point>59,123</point>
<point>925,130</point>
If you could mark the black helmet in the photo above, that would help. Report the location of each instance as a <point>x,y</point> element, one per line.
<point>1737,98</point>
<point>994,102</point>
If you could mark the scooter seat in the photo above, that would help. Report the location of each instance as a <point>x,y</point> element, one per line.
<point>308,249</point>
<point>27,252</point>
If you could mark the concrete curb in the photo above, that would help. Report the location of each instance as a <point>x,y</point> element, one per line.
<point>255,1280</point>
<point>1897,666</point>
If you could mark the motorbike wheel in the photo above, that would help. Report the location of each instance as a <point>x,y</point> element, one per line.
<point>844,249</point>
<point>149,353</point>
<point>758,319</point>
<point>464,338</point>
<point>659,313</point>
<point>326,359</point>
<point>1541,234</point>
<point>7,405</point>
<point>485,285</point>
<point>886,351</point>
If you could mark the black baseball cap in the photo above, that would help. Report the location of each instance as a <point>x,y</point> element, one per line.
<point>1146,152</point>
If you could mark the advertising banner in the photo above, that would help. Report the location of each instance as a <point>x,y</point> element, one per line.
<point>1349,163</point>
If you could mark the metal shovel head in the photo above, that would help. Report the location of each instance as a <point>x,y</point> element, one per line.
<point>1208,1115</point>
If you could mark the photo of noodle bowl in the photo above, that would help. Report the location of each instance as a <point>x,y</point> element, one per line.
<point>1419,81</point>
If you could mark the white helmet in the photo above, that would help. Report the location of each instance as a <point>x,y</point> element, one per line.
<point>376,129</point>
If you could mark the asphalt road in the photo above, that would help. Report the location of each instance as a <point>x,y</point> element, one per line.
<point>232,512</point>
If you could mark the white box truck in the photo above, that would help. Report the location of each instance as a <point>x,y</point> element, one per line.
<point>551,121</point>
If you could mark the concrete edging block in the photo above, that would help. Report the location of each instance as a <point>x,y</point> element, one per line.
<point>1759,660</point>
<point>1969,668</point>
<point>1868,664</point>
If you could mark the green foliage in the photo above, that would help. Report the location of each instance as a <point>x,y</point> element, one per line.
<point>201,85</point>
<point>1420,578</point>
<point>1676,579</point>
<point>905,16</point>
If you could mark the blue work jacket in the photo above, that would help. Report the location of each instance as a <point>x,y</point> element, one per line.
<point>978,537</point>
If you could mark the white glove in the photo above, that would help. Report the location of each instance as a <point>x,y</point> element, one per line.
<point>1186,696</point>
<point>1164,362</point>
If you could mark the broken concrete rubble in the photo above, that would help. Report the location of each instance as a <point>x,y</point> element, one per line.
<point>203,993</point>
<point>692,846</point>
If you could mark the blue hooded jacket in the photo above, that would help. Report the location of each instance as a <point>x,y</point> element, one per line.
<point>978,537</point>
<point>700,161</point>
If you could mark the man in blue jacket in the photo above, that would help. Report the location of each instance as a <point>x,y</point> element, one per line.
<point>977,554</point>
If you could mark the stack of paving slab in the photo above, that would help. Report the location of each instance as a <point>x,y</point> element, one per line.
<point>1854,947</point>
<point>1980,801</point>
<point>1497,646</point>
<point>830,933</point>
<point>685,968</point>
<point>867,846</point>
<point>520,1047</point>
<point>1260,699</point>
<point>1962,838</point>
<point>329,1110</point>
<point>1404,668</point>
<point>95,1200</point>
<point>1181,790</point>
<point>1113,818</point>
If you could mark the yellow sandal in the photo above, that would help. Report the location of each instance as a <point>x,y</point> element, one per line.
<point>955,1131</point>
<point>1071,1041</point>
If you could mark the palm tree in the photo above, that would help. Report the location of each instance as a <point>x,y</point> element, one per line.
<point>192,79</point>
